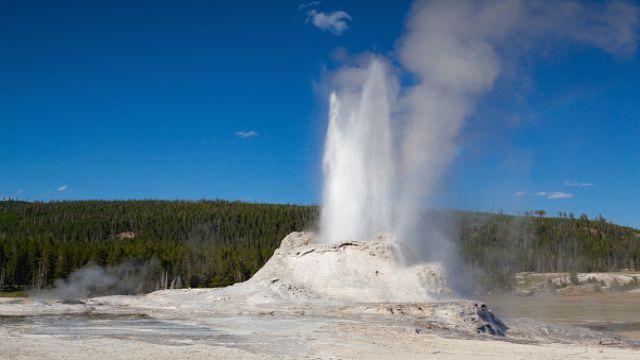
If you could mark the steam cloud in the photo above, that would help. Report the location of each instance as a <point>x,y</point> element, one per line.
<point>83,282</point>
<point>127,278</point>
<point>388,145</point>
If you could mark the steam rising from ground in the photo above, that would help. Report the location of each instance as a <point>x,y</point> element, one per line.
<point>130,277</point>
<point>83,282</point>
<point>388,145</point>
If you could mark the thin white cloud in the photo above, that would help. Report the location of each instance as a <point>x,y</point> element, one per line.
<point>308,5</point>
<point>554,195</point>
<point>334,21</point>
<point>520,194</point>
<point>559,195</point>
<point>246,134</point>
<point>62,188</point>
<point>574,183</point>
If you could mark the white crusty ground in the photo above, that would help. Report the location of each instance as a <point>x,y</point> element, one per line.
<point>346,340</point>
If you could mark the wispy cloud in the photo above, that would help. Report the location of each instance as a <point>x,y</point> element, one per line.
<point>559,195</point>
<point>246,134</point>
<point>62,188</point>
<point>554,195</point>
<point>334,21</point>
<point>308,5</point>
<point>574,183</point>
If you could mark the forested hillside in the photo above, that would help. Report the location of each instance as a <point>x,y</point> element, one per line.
<point>216,243</point>
<point>208,243</point>
<point>500,245</point>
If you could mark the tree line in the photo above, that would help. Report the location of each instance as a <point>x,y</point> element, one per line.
<point>216,243</point>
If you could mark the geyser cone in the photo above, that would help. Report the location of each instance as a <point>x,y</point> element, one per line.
<point>349,272</point>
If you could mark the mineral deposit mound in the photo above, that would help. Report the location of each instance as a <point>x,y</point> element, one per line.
<point>350,271</point>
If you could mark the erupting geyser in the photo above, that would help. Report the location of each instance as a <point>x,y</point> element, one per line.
<point>387,145</point>
<point>358,162</point>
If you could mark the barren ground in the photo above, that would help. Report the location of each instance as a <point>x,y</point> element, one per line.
<point>75,331</point>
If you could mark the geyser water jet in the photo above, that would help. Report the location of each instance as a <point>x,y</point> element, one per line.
<point>358,162</point>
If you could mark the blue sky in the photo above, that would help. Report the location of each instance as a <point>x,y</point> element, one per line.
<point>193,99</point>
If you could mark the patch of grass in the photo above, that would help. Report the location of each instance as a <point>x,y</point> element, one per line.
<point>13,294</point>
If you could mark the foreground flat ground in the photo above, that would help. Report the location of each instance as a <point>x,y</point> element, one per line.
<point>283,339</point>
<point>70,331</point>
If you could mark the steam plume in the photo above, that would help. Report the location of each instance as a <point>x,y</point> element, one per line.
<point>387,147</point>
<point>129,277</point>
